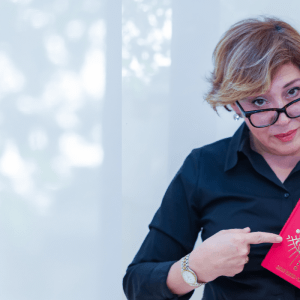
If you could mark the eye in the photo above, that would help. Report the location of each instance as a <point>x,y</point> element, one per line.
<point>259,102</point>
<point>294,91</point>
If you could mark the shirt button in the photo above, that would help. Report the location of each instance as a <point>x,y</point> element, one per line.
<point>286,195</point>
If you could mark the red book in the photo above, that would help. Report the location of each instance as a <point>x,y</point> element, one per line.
<point>283,259</point>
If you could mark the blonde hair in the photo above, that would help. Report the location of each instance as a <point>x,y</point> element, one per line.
<point>247,57</point>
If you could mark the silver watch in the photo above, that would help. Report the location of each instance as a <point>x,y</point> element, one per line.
<point>188,274</point>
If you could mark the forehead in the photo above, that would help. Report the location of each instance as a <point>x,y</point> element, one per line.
<point>285,74</point>
<point>283,78</point>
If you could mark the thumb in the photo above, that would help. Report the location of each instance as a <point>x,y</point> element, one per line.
<point>238,230</point>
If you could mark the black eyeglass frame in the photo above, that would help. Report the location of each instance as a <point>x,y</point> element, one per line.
<point>247,114</point>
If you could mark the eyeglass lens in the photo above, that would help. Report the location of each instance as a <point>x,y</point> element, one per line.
<point>268,117</point>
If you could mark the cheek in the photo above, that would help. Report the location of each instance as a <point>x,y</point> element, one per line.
<point>260,134</point>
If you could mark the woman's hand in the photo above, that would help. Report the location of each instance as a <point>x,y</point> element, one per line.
<point>226,252</point>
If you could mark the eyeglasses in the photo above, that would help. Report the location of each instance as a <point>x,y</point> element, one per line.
<point>267,117</point>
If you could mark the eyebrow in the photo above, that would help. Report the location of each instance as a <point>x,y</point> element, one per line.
<point>291,82</point>
<point>288,84</point>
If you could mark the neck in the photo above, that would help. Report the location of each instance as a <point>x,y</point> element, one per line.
<point>283,161</point>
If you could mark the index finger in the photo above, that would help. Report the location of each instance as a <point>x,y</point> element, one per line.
<point>259,237</point>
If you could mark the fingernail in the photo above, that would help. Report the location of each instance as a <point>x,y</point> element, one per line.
<point>279,239</point>
<point>247,228</point>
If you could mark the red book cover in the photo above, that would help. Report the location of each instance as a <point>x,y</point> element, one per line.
<point>283,259</point>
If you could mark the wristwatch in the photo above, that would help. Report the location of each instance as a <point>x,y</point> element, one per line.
<point>188,274</point>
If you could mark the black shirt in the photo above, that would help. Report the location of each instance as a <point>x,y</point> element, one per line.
<point>223,185</point>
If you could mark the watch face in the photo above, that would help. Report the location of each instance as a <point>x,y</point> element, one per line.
<point>188,277</point>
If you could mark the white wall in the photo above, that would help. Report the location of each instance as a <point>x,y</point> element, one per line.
<point>52,87</point>
<point>164,116</point>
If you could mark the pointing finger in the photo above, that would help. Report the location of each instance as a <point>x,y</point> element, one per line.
<point>263,237</point>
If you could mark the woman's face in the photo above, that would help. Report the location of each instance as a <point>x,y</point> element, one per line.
<point>285,88</point>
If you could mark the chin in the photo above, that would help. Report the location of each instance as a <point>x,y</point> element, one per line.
<point>287,150</point>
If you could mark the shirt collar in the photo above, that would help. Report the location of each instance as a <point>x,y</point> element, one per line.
<point>239,142</point>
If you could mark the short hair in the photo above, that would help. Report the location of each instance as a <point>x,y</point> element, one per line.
<point>247,57</point>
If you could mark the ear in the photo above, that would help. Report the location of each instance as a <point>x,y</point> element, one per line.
<point>236,109</point>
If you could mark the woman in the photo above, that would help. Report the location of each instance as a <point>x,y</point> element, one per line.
<point>249,180</point>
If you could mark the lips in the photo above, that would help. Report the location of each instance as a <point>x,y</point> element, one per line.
<point>285,134</point>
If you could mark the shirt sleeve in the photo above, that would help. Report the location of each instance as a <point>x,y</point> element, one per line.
<point>173,232</point>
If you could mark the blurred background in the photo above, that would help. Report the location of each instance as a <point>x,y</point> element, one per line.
<point>60,127</point>
<point>167,51</point>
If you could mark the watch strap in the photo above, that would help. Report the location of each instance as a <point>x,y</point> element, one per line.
<point>185,267</point>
